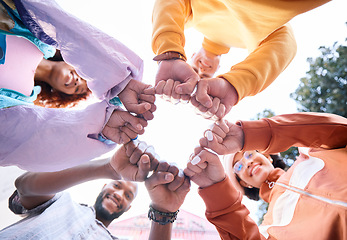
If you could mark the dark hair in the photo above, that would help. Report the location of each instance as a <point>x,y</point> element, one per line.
<point>48,97</point>
<point>253,193</point>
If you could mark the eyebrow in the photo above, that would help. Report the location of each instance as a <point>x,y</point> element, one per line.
<point>128,191</point>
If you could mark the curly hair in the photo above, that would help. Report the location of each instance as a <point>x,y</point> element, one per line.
<point>253,193</point>
<point>50,98</point>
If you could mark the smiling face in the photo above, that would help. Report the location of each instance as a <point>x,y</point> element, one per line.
<point>115,199</point>
<point>64,78</point>
<point>204,63</point>
<point>252,167</point>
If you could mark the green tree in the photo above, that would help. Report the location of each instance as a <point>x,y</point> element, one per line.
<point>324,88</point>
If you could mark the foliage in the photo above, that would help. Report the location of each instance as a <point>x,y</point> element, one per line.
<point>324,88</point>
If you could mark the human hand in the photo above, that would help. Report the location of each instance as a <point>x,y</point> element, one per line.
<point>214,97</point>
<point>139,98</point>
<point>134,160</point>
<point>223,138</point>
<point>182,78</point>
<point>167,188</point>
<point>204,168</point>
<point>122,127</point>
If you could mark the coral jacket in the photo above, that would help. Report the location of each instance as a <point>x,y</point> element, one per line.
<point>259,26</point>
<point>309,201</point>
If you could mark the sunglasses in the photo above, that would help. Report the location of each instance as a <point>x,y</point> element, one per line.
<point>239,165</point>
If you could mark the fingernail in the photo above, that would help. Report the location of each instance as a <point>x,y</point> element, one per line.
<point>196,160</point>
<point>180,173</point>
<point>215,118</point>
<point>168,177</point>
<point>147,106</point>
<point>174,101</point>
<point>184,101</point>
<point>191,156</point>
<point>166,97</point>
<point>209,135</point>
<point>197,111</point>
<point>139,127</point>
<point>179,90</point>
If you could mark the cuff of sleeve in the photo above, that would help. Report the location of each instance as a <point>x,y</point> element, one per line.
<point>169,42</point>
<point>219,196</point>
<point>257,135</point>
<point>214,47</point>
<point>104,139</point>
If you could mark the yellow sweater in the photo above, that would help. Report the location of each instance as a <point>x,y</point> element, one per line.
<point>259,26</point>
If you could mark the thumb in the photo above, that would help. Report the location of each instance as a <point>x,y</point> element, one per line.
<point>158,178</point>
<point>187,87</point>
<point>202,95</point>
<point>139,108</point>
<point>144,167</point>
<point>134,121</point>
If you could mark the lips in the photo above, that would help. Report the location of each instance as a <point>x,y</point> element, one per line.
<point>204,64</point>
<point>255,168</point>
<point>113,199</point>
<point>69,79</point>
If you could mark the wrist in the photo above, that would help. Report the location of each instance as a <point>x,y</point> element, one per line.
<point>111,172</point>
<point>171,55</point>
<point>160,217</point>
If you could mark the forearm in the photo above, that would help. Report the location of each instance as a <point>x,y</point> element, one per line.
<point>168,20</point>
<point>43,183</point>
<point>225,210</point>
<point>35,188</point>
<point>160,232</point>
<point>46,140</point>
<point>277,134</point>
<point>264,64</point>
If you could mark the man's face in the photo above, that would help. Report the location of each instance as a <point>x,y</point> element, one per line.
<point>204,63</point>
<point>115,199</point>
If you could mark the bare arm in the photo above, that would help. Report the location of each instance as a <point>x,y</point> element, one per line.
<point>128,162</point>
<point>35,188</point>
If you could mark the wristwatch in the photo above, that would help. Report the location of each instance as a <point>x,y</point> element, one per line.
<point>169,55</point>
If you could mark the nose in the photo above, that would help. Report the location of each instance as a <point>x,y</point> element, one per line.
<point>248,162</point>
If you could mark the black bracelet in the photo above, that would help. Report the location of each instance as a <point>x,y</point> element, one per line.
<point>162,218</point>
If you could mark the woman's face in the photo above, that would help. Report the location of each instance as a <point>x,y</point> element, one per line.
<point>252,167</point>
<point>64,78</point>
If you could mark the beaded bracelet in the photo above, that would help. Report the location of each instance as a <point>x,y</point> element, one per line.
<point>162,218</point>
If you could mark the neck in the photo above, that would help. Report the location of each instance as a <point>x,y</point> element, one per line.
<point>105,222</point>
<point>43,71</point>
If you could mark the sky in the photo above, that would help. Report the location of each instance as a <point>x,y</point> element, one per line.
<point>176,129</point>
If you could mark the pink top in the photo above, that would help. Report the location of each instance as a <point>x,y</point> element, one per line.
<point>22,59</point>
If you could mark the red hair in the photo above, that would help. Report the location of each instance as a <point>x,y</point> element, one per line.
<point>50,98</point>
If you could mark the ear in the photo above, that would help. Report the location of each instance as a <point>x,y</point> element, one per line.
<point>244,184</point>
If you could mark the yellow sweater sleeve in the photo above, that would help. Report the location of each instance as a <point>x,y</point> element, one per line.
<point>264,64</point>
<point>168,19</point>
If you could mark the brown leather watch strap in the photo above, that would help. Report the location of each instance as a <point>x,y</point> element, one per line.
<point>169,56</point>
